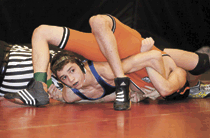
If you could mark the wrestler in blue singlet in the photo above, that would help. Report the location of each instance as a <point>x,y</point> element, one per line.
<point>108,89</point>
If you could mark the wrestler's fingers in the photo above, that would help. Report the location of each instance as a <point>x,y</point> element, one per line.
<point>153,98</point>
<point>148,95</point>
<point>146,91</point>
<point>50,90</point>
<point>56,92</point>
<point>150,41</point>
<point>152,95</point>
<point>132,95</point>
<point>134,98</point>
<point>145,42</point>
<point>53,91</point>
<point>150,88</point>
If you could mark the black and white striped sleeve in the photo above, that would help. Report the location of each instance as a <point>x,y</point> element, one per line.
<point>65,38</point>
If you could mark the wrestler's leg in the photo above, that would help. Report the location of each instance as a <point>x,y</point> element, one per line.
<point>102,29</point>
<point>184,59</point>
<point>42,36</point>
<point>36,92</point>
<point>101,26</point>
<point>195,63</point>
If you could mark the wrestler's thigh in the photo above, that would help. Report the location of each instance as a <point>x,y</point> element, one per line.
<point>184,59</point>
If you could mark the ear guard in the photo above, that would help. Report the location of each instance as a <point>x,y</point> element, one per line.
<point>80,64</point>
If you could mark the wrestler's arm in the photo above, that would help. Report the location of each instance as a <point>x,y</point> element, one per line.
<point>68,96</point>
<point>55,93</point>
<point>139,61</point>
<point>153,61</point>
<point>174,82</point>
<point>64,97</point>
<point>150,58</point>
<point>168,84</point>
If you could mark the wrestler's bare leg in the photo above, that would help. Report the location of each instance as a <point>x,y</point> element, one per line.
<point>186,60</point>
<point>42,36</point>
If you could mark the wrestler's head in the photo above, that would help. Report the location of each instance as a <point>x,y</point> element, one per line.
<point>68,68</point>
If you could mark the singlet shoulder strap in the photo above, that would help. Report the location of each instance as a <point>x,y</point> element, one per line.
<point>108,89</point>
<point>81,95</point>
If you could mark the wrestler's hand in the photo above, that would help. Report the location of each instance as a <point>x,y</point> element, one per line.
<point>150,92</point>
<point>136,96</point>
<point>55,93</point>
<point>147,44</point>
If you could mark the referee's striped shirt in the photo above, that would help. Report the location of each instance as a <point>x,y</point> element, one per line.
<point>19,69</point>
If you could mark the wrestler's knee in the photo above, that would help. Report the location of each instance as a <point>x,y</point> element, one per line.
<point>99,22</point>
<point>40,30</point>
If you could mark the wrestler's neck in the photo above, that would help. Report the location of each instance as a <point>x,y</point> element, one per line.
<point>89,79</point>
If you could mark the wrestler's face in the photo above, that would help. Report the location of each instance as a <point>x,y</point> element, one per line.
<point>71,75</point>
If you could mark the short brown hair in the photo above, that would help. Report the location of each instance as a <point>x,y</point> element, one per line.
<point>61,59</point>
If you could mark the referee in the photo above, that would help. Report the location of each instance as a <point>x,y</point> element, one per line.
<point>16,68</point>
